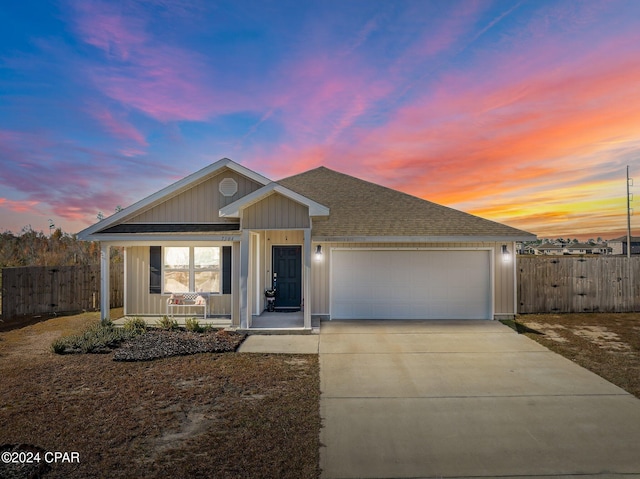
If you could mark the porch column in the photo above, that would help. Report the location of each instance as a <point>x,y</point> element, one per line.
<point>245,320</point>
<point>235,289</point>
<point>306,284</point>
<point>105,286</point>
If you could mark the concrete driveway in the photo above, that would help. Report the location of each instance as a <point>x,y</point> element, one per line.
<point>420,399</point>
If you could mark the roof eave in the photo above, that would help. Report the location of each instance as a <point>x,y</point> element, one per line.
<point>133,238</point>
<point>422,239</point>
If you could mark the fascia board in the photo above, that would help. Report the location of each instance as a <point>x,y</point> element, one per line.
<point>233,210</point>
<point>131,239</point>
<point>169,191</point>
<point>421,239</point>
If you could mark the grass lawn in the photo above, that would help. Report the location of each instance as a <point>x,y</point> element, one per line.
<point>208,415</point>
<point>606,343</point>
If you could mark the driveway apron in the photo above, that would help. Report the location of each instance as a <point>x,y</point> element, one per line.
<point>412,399</point>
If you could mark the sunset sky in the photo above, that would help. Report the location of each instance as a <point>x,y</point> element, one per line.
<point>524,112</point>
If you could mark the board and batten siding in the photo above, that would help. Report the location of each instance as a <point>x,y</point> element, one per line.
<point>275,212</point>
<point>139,302</point>
<point>199,204</point>
<point>503,272</point>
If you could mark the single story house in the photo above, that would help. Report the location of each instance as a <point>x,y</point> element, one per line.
<point>619,245</point>
<point>331,245</point>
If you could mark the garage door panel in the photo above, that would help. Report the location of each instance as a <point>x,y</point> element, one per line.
<point>408,284</point>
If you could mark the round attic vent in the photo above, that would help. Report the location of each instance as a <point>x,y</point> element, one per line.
<point>228,187</point>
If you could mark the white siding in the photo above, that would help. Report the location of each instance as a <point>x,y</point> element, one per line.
<point>198,204</point>
<point>140,302</point>
<point>275,212</point>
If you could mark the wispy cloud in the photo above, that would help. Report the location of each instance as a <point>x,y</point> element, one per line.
<point>116,125</point>
<point>63,179</point>
<point>142,70</point>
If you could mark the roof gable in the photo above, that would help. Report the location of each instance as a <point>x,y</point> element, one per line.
<point>233,210</point>
<point>141,208</point>
<point>362,209</point>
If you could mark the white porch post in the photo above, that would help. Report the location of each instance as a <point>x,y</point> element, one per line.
<point>105,287</point>
<point>306,285</point>
<point>245,320</point>
<point>235,281</point>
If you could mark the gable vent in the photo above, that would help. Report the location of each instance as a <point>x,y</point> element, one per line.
<point>228,187</point>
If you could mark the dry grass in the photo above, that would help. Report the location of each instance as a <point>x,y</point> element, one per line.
<point>207,415</point>
<point>606,343</point>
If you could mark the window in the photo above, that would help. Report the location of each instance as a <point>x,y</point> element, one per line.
<point>191,268</point>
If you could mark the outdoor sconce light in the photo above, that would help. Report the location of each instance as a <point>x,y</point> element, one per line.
<point>506,255</point>
<point>318,253</point>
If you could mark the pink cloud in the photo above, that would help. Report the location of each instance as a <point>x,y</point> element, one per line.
<point>19,206</point>
<point>109,27</point>
<point>118,127</point>
<point>143,71</point>
<point>165,83</point>
<point>71,182</point>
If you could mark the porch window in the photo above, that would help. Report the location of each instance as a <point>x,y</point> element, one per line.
<point>191,268</point>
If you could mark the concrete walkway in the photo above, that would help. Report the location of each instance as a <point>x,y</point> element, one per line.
<point>281,344</point>
<point>405,399</point>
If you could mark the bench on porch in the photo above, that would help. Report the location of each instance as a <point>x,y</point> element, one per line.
<point>188,300</point>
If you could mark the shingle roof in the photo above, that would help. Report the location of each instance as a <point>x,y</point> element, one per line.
<point>363,209</point>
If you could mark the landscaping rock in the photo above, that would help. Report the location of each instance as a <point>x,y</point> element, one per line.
<point>162,344</point>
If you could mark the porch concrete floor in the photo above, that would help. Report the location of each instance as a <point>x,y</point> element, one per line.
<point>282,320</point>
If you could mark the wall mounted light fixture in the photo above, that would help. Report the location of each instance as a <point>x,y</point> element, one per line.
<point>319,253</point>
<point>506,255</point>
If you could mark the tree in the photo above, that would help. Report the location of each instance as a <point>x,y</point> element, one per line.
<point>33,248</point>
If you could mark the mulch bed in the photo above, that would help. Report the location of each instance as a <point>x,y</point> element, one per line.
<point>164,344</point>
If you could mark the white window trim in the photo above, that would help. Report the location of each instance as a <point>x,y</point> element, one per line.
<point>192,269</point>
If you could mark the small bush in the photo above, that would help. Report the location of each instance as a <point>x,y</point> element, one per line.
<point>167,323</point>
<point>135,325</point>
<point>193,325</point>
<point>59,346</point>
<point>97,338</point>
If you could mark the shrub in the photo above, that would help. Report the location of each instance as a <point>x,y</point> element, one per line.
<point>97,338</point>
<point>135,325</point>
<point>167,323</point>
<point>193,325</point>
<point>59,346</point>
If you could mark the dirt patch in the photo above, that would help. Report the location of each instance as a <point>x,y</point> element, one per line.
<point>605,343</point>
<point>222,415</point>
<point>554,332</point>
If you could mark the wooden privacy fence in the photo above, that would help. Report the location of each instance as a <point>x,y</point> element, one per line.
<point>568,284</point>
<point>57,289</point>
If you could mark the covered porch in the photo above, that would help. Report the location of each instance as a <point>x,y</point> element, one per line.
<point>277,260</point>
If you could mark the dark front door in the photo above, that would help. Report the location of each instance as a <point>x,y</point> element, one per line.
<point>287,270</point>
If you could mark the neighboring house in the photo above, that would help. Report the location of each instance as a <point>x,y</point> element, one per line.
<point>568,249</point>
<point>334,246</point>
<point>550,249</point>
<point>619,245</point>
<point>586,248</point>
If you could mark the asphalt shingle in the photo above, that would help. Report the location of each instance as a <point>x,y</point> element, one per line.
<point>362,208</point>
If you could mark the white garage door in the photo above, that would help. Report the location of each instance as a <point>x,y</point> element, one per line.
<point>399,284</point>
